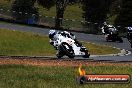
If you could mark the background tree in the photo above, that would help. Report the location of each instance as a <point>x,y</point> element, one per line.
<point>115,7</point>
<point>125,16</point>
<point>24,11</point>
<point>60,8</point>
<point>27,6</point>
<point>113,11</point>
<point>46,3</point>
<point>95,11</point>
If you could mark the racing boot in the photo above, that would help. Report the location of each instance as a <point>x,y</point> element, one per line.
<point>78,43</point>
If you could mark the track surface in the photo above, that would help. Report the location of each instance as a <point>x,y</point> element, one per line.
<point>99,39</point>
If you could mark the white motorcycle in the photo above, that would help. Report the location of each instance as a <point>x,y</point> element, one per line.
<point>112,34</point>
<point>67,46</point>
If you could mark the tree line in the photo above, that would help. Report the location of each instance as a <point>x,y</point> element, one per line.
<point>96,11</point>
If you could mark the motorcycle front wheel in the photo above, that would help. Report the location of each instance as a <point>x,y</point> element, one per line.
<point>120,39</point>
<point>67,49</point>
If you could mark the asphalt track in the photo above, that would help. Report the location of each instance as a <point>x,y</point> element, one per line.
<point>98,39</point>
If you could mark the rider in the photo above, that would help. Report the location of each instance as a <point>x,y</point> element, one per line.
<point>129,32</point>
<point>109,29</point>
<point>53,36</point>
<point>105,28</point>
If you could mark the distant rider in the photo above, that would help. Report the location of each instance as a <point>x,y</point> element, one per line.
<point>109,29</point>
<point>105,28</point>
<point>129,32</point>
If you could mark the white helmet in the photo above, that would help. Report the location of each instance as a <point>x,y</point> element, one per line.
<point>52,33</point>
<point>105,23</point>
<point>129,28</point>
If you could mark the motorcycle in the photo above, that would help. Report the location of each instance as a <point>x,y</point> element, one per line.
<point>112,35</point>
<point>67,46</point>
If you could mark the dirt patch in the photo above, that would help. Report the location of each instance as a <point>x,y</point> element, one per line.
<point>60,62</point>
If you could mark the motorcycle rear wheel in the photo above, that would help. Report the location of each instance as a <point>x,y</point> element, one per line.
<point>59,54</point>
<point>86,54</point>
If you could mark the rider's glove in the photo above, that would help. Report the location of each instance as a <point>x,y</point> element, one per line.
<point>52,43</point>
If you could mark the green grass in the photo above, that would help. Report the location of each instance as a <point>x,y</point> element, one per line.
<point>71,12</point>
<point>5,4</point>
<point>19,76</point>
<point>100,49</point>
<point>24,43</point>
<point>74,12</point>
<point>21,43</point>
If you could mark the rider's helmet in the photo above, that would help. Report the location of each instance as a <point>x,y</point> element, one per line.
<point>51,34</point>
<point>129,28</point>
<point>105,24</point>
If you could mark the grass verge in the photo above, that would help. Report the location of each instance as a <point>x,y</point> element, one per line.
<point>23,43</point>
<point>20,76</point>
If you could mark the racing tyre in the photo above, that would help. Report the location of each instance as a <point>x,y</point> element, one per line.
<point>86,54</point>
<point>113,40</point>
<point>120,40</point>
<point>59,54</point>
<point>67,49</point>
<point>83,49</point>
<point>107,40</point>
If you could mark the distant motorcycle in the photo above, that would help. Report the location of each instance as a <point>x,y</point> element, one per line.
<point>67,46</point>
<point>112,34</point>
